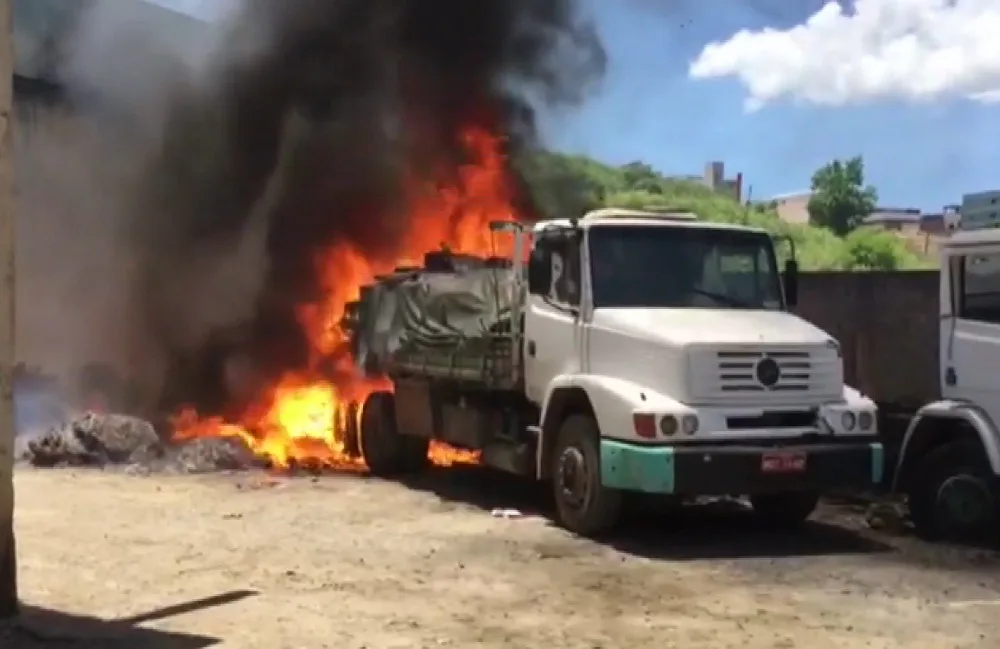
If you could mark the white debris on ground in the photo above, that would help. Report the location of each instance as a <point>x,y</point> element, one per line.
<point>108,440</point>
<point>92,440</point>
<point>506,513</point>
<point>208,455</point>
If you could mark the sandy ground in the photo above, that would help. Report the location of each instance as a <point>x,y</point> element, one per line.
<point>248,561</point>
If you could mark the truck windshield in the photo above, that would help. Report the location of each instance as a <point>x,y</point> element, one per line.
<point>683,267</point>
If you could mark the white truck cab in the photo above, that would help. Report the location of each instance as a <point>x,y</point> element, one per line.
<point>949,461</point>
<point>665,360</point>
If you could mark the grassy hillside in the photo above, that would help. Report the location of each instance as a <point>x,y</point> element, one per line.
<point>564,184</point>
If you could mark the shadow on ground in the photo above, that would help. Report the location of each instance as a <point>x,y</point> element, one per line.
<point>721,530</point>
<point>728,530</point>
<point>42,628</point>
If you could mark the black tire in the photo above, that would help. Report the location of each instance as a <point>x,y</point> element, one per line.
<point>960,465</point>
<point>386,452</point>
<point>785,510</point>
<point>584,505</point>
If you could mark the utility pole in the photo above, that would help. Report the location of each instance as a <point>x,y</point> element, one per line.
<point>8,561</point>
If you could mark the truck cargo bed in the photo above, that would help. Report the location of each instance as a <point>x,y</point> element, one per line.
<point>456,319</point>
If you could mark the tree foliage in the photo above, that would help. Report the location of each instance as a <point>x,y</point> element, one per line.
<point>564,185</point>
<point>840,200</point>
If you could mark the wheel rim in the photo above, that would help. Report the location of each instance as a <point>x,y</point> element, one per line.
<point>574,479</point>
<point>966,501</point>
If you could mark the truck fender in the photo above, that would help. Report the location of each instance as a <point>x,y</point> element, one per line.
<point>925,427</point>
<point>611,401</point>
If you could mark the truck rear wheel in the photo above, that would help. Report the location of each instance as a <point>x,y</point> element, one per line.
<point>386,452</point>
<point>785,510</point>
<point>585,506</point>
<point>953,494</point>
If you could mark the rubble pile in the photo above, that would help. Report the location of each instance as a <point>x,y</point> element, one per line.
<point>216,454</point>
<point>107,440</point>
<point>93,440</point>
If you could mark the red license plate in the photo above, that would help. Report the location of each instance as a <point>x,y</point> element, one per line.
<point>786,462</point>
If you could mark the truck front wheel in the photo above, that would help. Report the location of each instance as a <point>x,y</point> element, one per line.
<point>386,452</point>
<point>585,506</point>
<point>953,494</point>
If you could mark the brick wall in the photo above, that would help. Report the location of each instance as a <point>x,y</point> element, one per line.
<point>887,325</point>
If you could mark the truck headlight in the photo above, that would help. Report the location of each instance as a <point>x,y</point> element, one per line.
<point>848,420</point>
<point>866,420</point>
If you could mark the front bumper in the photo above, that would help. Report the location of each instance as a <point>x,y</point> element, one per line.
<point>721,470</point>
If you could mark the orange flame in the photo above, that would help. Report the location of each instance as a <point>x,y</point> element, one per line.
<point>302,419</point>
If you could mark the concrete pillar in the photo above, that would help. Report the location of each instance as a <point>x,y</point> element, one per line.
<point>8,562</point>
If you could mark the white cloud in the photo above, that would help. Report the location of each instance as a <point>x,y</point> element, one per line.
<point>915,50</point>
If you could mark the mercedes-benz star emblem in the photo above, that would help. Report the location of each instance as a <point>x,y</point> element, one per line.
<point>768,372</point>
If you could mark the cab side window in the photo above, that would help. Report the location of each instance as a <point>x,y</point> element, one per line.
<point>979,286</point>
<point>566,276</point>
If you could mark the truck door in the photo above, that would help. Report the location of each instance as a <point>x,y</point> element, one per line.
<point>970,345</point>
<point>550,326</point>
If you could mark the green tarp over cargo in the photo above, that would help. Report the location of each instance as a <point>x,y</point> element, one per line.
<point>463,314</point>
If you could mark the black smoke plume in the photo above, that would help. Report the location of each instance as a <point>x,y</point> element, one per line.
<point>315,110</point>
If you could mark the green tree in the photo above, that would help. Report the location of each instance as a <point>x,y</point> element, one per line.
<point>640,177</point>
<point>840,199</point>
<point>871,249</point>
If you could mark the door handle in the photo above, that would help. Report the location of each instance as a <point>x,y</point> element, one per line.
<point>531,348</point>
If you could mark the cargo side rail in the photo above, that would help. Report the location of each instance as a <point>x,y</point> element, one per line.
<point>492,361</point>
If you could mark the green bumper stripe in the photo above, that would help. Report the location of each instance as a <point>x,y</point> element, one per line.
<point>878,462</point>
<point>637,468</point>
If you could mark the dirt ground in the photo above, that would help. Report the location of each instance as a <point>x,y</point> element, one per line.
<point>247,561</point>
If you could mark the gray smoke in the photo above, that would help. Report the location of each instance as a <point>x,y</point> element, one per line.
<point>78,168</point>
<point>227,156</point>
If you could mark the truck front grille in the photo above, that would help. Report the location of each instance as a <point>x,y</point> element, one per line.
<point>738,371</point>
<point>766,375</point>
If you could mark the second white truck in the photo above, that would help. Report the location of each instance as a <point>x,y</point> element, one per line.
<point>948,465</point>
<point>633,352</point>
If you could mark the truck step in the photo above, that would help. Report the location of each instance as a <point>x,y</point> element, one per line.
<point>516,458</point>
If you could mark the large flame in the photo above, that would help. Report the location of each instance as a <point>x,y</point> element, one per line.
<point>302,419</point>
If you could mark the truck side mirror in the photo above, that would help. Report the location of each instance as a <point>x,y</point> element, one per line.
<point>539,272</point>
<point>791,283</point>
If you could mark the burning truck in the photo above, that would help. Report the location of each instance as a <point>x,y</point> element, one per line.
<point>405,319</point>
<point>629,352</point>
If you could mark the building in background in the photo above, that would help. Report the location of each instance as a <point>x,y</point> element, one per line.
<point>943,222</point>
<point>921,231</point>
<point>980,210</point>
<point>714,177</point>
<point>99,57</point>
<point>898,219</point>
<point>952,215</point>
<point>792,207</point>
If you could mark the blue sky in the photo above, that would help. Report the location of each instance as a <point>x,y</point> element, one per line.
<point>908,84</point>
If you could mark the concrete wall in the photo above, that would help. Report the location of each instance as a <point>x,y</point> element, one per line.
<point>71,257</point>
<point>887,325</point>
<point>8,572</point>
